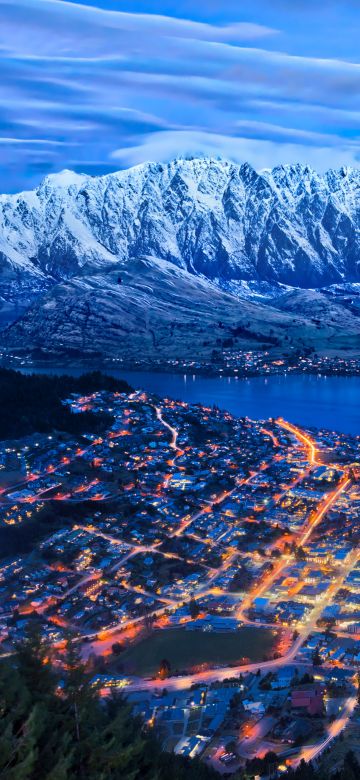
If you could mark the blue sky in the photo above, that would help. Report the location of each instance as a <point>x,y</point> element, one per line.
<point>105,84</point>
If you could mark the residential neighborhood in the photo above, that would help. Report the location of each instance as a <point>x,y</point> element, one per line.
<point>207,566</point>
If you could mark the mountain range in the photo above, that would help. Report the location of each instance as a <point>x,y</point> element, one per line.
<point>156,256</point>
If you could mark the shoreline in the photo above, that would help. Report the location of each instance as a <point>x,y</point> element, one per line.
<point>244,364</point>
<point>86,365</point>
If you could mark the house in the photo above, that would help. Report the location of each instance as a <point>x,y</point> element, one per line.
<point>308,698</point>
<point>284,678</point>
<point>254,707</point>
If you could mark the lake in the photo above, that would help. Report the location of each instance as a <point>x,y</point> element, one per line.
<point>324,402</point>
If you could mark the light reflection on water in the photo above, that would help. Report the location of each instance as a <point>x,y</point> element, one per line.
<point>324,402</point>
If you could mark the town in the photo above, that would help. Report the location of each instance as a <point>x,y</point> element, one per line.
<point>207,566</point>
<point>230,362</point>
<point>225,362</point>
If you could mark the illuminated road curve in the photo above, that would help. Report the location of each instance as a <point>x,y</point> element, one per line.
<point>312,752</point>
<point>173,431</point>
<point>304,438</point>
<point>212,675</point>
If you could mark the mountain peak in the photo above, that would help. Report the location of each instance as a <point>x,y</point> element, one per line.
<point>67,178</point>
<point>206,214</point>
<point>64,179</point>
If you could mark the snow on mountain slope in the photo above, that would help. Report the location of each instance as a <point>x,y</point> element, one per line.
<point>153,309</point>
<point>212,217</point>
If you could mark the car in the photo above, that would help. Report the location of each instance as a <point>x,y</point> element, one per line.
<point>227,758</point>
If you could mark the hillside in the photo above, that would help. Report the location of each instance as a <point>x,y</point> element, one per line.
<point>155,310</point>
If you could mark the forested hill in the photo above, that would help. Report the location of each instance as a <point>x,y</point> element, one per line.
<point>33,403</point>
<point>61,730</point>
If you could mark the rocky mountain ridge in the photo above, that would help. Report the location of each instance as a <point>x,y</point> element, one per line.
<point>182,259</point>
<point>212,217</point>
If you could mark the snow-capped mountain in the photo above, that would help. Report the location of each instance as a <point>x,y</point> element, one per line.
<point>211,217</point>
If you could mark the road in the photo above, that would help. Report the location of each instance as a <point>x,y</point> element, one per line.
<point>272,436</point>
<point>312,752</point>
<point>310,444</point>
<point>315,520</point>
<point>254,736</point>
<point>173,431</point>
<point>331,499</point>
<point>219,500</point>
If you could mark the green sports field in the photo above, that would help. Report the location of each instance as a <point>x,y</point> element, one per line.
<point>187,649</point>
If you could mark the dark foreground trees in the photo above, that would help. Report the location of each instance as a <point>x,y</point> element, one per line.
<point>62,730</point>
<point>33,403</point>
<point>350,770</point>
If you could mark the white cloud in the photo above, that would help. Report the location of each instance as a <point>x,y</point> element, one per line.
<point>102,31</point>
<point>294,135</point>
<point>85,81</point>
<point>165,145</point>
<point>26,141</point>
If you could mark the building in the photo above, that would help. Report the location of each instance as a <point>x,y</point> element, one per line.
<point>308,698</point>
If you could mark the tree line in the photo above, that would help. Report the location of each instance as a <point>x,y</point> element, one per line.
<point>33,403</point>
<point>55,726</point>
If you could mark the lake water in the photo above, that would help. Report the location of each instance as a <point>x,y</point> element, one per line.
<point>325,402</point>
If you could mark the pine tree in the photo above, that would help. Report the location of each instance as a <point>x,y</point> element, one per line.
<point>77,690</point>
<point>24,756</point>
<point>34,661</point>
<point>164,669</point>
<point>120,746</point>
<point>193,608</point>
